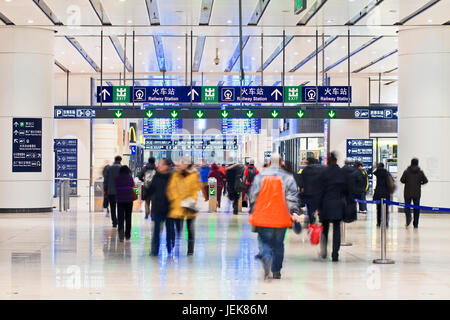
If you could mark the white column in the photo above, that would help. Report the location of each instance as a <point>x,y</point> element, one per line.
<point>343,129</point>
<point>26,91</point>
<point>424,108</point>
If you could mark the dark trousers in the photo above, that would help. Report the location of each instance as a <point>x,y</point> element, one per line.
<point>124,210</point>
<point>416,202</point>
<point>113,206</point>
<point>272,246</point>
<point>190,230</point>
<point>311,206</point>
<point>379,215</point>
<point>170,233</point>
<point>362,206</point>
<point>219,195</point>
<point>105,202</point>
<point>336,237</point>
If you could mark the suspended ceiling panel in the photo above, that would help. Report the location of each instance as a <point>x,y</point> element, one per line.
<point>130,12</point>
<point>111,61</point>
<point>23,13</point>
<point>226,12</point>
<point>145,56</point>
<point>252,52</point>
<point>74,12</point>
<point>69,57</point>
<point>391,11</point>
<point>174,12</point>
<point>437,14</point>
<point>226,46</point>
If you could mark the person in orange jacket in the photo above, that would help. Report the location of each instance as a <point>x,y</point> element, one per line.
<point>273,206</point>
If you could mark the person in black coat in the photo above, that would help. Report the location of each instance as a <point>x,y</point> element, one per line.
<point>157,192</point>
<point>109,187</point>
<point>333,196</point>
<point>413,178</point>
<point>234,175</point>
<point>309,186</point>
<point>147,172</point>
<point>382,191</point>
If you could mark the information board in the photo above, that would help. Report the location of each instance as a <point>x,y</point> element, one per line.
<point>361,150</point>
<point>241,126</point>
<point>66,165</point>
<point>191,143</point>
<point>27,145</point>
<point>162,126</point>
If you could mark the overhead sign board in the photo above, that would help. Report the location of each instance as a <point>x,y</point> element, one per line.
<point>232,94</point>
<point>73,113</point>
<point>26,145</point>
<point>184,143</point>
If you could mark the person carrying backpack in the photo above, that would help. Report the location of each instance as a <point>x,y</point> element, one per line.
<point>309,186</point>
<point>146,176</point>
<point>250,173</point>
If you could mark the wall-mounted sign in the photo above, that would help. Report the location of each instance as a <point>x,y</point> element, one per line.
<point>361,150</point>
<point>66,164</point>
<point>26,145</point>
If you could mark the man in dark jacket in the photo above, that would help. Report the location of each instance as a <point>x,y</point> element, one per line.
<point>234,177</point>
<point>362,185</point>
<point>413,178</point>
<point>146,175</point>
<point>352,173</point>
<point>309,186</point>
<point>109,186</point>
<point>157,192</point>
<point>382,191</point>
<point>334,194</point>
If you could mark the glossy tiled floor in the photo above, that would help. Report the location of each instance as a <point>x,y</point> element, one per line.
<point>78,255</point>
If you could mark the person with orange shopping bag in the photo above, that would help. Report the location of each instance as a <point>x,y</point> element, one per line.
<point>273,207</point>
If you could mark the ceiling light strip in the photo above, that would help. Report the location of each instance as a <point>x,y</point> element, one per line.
<point>6,20</point>
<point>390,82</point>
<point>220,83</point>
<point>311,12</point>
<point>48,12</point>
<point>109,83</point>
<point>417,12</point>
<point>120,51</point>
<point>369,7</point>
<point>389,71</point>
<point>83,53</point>
<point>276,52</point>
<point>276,83</point>
<point>100,12</point>
<point>304,83</point>
<point>258,13</point>
<point>159,49</point>
<point>198,53</point>
<point>313,54</point>
<point>364,46</point>
<point>152,10</point>
<point>205,12</point>
<point>236,54</point>
<point>57,63</point>
<point>376,61</point>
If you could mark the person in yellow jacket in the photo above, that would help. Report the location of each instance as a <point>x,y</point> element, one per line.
<point>182,192</point>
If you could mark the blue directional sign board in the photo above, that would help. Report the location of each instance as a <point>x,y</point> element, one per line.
<point>361,150</point>
<point>267,94</point>
<point>241,126</point>
<point>327,94</point>
<point>73,113</point>
<point>183,143</point>
<point>388,113</point>
<point>66,165</point>
<point>162,126</point>
<point>27,145</point>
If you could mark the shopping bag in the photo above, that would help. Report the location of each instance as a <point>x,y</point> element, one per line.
<point>314,232</point>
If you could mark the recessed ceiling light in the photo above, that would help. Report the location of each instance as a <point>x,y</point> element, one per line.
<point>62,52</point>
<point>140,53</point>
<point>8,0</point>
<point>178,67</point>
<point>309,40</point>
<point>136,40</point>
<point>253,58</point>
<point>341,71</point>
<point>328,58</point>
<point>123,0</point>
<point>229,21</point>
<point>179,47</point>
<point>222,40</point>
<point>276,70</point>
<point>82,71</point>
<point>30,21</point>
<point>430,21</point>
<point>130,21</point>
<point>330,21</point>
<point>343,47</point>
<point>178,58</point>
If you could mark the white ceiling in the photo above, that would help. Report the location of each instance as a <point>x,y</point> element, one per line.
<point>180,17</point>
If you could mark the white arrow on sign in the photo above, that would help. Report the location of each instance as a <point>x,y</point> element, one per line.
<point>104,93</point>
<point>193,92</point>
<point>276,92</point>
<point>16,124</point>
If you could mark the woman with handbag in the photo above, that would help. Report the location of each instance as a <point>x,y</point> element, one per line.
<point>125,197</point>
<point>182,192</point>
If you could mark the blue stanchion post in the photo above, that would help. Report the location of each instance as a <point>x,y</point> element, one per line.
<point>383,259</point>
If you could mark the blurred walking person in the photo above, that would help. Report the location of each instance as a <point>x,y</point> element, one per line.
<point>234,178</point>
<point>157,192</point>
<point>223,169</point>
<point>273,207</point>
<point>309,187</point>
<point>413,178</point>
<point>250,173</point>
<point>182,192</point>
<point>219,176</point>
<point>125,197</point>
<point>105,195</point>
<point>109,187</point>
<point>333,196</point>
<point>204,173</point>
<point>382,191</point>
<point>362,185</point>
<point>146,175</point>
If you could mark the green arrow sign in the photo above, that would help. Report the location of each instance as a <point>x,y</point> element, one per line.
<point>250,114</point>
<point>174,114</point>
<point>299,6</point>
<point>22,124</point>
<point>118,114</point>
<point>275,113</point>
<point>212,192</point>
<point>200,114</point>
<point>149,114</point>
<point>224,114</point>
<point>210,94</point>
<point>331,114</point>
<point>300,114</point>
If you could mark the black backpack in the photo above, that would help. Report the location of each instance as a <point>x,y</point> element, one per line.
<point>251,174</point>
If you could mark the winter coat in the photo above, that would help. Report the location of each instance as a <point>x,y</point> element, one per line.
<point>382,187</point>
<point>413,178</point>
<point>234,175</point>
<point>141,175</point>
<point>352,176</point>
<point>109,184</point>
<point>247,176</point>
<point>334,193</point>
<point>182,185</point>
<point>362,182</point>
<point>204,172</point>
<point>124,188</point>
<point>216,173</point>
<point>309,180</point>
<point>157,192</point>
<point>273,197</point>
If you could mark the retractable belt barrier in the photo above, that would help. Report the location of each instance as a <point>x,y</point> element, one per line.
<point>368,201</point>
<point>405,205</point>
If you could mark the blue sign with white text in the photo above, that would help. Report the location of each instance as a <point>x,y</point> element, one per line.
<point>361,150</point>
<point>66,165</point>
<point>73,113</point>
<point>327,94</point>
<point>27,145</point>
